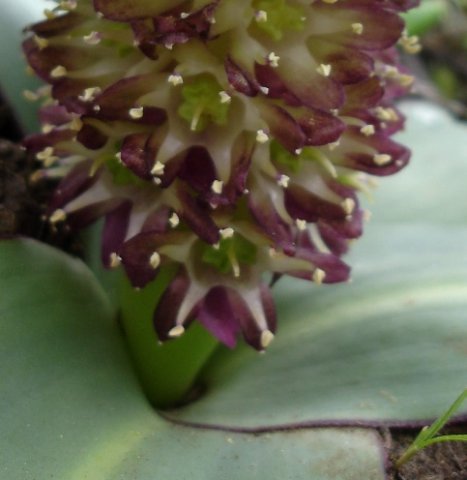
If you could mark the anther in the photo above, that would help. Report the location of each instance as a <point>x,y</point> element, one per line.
<point>283,181</point>
<point>301,224</point>
<point>174,220</point>
<point>76,124</point>
<point>273,59</point>
<point>324,70</point>
<point>357,28</point>
<point>227,232</point>
<point>318,276</point>
<point>30,95</point>
<point>261,16</point>
<point>136,113</point>
<point>175,79</point>
<point>68,5</point>
<point>93,38</point>
<point>158,168</point>
<point>58,72</point>
<point>217,186</point>
<point>348,205</point>
<point>262,136</point>
<point>41,42</point>
<point>382,159</point>
<point>266,338</point>
<point>89,94</point>
<point>155,260</point>
<point>58,216</point>
<point>368,130</point>
<point>224,97</point>
<point>115,260</point>
<point>49,14</point>
<point>176,331</point>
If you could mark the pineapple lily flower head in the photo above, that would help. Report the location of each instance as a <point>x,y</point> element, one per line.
<point>227,138</point>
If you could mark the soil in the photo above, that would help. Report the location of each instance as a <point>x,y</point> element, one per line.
<point>443,461</point>
<point>22,202</point>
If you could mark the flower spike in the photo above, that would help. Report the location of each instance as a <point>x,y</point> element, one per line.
<point>225,138</point>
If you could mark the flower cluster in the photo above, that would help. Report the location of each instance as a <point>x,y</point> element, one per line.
<point>228,137</point>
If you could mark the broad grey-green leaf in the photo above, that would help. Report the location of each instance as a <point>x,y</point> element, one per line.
<point>432,187</point>
<point>71,409</point>
<point>389,348</point>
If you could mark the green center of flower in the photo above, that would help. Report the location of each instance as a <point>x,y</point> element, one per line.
<point>282,157</point>
<point>121,175</point>
<point>276,16</point>
<point>228,256</point>
<point>203,103</point>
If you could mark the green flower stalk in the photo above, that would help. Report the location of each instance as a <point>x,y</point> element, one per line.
<point>226,139</point>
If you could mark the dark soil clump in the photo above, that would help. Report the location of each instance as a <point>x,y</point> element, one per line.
<point>22,202</point>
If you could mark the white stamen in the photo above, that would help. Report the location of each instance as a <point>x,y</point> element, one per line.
<point>332,146</point>
<point>264,90</point>
<point>301,224</point>
<point>41,42</point>
<point>272,252</point>
<point>155,260</point>
<point>184,15</point>
<point>58,216</point>
<point>357,28</point>
<point>174,220</point>
<point>368,130</point>
<point>283,181</point>
<point>217,186</point>
<point>262,136</point>
<point>266,338</point>
<point>410,44</point>
<point>68,5</point>
<point>136,113</point>
<point>175,79</point>
<point>224,97</point>
<point>93,38</point>
<point>47,156</point>
<point>273,59</point>
<point>89,94</point>
<point>227,232</point>
<point>324,69</point>
<point>386,114</point>
<point>348,205</point>
<point>177,331</point>
<point>319,276</point>
<point>76,124</point>
<point>58,72</point>
<point>49,14</point>
<point>30,95</point>
<point>298,151</point>
<point>261,16</point>
<point>47,128</point>
<point>158,168</point>
<point>115,260</point>
<point>382,159</point>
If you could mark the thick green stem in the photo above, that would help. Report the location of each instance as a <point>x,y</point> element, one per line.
<point>167,371</point>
